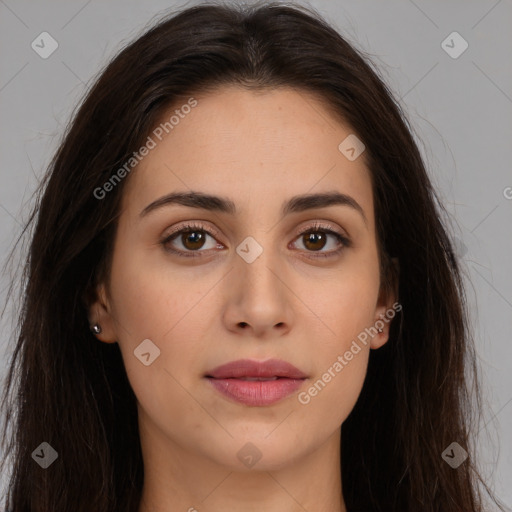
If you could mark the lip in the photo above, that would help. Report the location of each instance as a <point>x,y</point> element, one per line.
<point>231,380</point>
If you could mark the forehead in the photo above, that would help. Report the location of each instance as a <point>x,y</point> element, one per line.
<point>256,147</point>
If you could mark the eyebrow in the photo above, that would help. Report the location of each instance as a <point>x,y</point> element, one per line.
<point>295,204</point>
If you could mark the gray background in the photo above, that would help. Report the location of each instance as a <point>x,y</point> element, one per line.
<point>460,110</point>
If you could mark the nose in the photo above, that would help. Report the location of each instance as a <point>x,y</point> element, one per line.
<point>258,302</point>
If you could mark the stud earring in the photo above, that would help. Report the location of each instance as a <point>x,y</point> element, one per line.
<point>96,329</point>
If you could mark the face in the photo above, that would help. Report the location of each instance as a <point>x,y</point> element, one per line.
<point>265,272</point>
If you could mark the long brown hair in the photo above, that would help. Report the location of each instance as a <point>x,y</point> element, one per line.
<point>71,391</point>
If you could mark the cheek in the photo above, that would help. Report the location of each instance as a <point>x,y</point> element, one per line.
<point>341,303</point>
<point>340,361</point>
<point>172,309</point>
<point>153,298</point>
<point>344,307</point>
<point>152,307</point>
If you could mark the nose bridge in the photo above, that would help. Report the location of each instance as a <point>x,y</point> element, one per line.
<point>259,271</point>
<point>258,259</point>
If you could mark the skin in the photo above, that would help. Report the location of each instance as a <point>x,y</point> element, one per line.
<point>251,148</point>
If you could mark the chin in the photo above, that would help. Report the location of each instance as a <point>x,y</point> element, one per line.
<point>258,452</point>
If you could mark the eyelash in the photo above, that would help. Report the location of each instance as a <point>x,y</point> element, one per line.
<point>326,228</point>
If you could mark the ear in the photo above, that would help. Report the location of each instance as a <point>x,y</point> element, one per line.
<point>386,303</point>
<point>100,312</point>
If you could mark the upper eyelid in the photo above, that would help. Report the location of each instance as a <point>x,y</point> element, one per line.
<point>190,225</point>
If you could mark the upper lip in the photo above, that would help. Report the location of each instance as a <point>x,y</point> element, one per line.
<point>252,368</point>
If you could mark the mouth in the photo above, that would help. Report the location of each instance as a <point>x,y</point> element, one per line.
<point>256,383</point>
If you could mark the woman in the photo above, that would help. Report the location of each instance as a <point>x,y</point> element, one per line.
<point>240,292</point>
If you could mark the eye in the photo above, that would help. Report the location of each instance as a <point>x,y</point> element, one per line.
<point>191,237</point>
<point>315,238</point>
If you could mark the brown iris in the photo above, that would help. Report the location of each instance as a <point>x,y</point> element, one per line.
<point>310,239</point>
<point>193,239</point>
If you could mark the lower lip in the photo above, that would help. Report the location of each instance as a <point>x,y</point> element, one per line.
<point>256,392</point>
